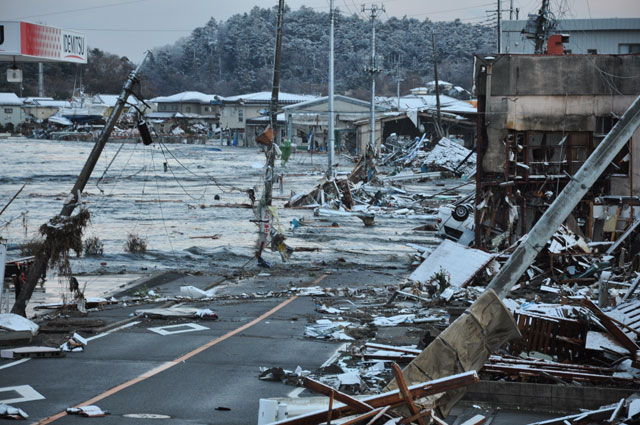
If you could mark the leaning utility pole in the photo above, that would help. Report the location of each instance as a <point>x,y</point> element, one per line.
<point>330,165</point>
<point>264,216</point>
<point>40,263</point>
<point>373,70</point>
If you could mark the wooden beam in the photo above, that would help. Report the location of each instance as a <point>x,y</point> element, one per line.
<point>615,331</point>
<point>392,398</point>
<point>406,395</point>
<point>321,388</point>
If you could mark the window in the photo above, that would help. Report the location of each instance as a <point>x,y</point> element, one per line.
<point>592,51</point>
<point>240,115</point>
<point>188,108</point>
<point>628,49</point>
<point>604,124</point>
<point>163,107</point>
<point>206,109</point>
<point>174,107</point>
<point>8,110</point>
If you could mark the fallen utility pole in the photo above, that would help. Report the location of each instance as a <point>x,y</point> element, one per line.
<point>566,201</point>
<point>263,209</point>
<point>40,263</point>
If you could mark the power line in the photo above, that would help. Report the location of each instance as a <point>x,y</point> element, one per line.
<point>65,12</point>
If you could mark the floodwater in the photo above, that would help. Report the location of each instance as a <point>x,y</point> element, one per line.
<point>173,207</point>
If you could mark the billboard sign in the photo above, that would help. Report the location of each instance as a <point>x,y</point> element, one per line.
<point>27,42</point>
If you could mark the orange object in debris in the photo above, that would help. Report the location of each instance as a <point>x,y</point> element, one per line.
<point>266,137</point>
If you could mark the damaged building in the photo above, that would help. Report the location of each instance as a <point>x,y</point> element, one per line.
<point>539,119</point>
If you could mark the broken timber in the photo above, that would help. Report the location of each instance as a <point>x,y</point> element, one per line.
<point>472,343</point>
<point>392,399</point>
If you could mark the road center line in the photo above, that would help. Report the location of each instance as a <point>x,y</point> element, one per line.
<point>168,365</point>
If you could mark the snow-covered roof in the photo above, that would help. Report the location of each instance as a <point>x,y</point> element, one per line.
<point>9,99</point>
<point>265,97</point>
<point>265,119</point>
<point>112,99</point>
<point>186,97</point>
<point>428,101</point>
<point>324,99</point>
<point>46,103</point>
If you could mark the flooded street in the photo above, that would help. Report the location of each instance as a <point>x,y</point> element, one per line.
<point>175,209</point>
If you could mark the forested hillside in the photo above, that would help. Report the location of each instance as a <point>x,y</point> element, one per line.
<point>236,56</point>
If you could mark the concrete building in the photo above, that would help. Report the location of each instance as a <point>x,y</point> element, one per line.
<point>10,109</point>
<point>236,110</point>
<point>540,117</point>
<point>586,36</point>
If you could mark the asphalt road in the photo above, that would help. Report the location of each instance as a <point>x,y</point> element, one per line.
<point>137,371</point>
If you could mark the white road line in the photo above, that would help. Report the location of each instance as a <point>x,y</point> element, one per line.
<point>179,328</point>
<point>335,355</point>
<point>296,393</point>
<point>16,363</point>
<point>128,325</point>
<point>27,393</point>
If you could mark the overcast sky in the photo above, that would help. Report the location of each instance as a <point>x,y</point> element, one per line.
<point>129,27</point>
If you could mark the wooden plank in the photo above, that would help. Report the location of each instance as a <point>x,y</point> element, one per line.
<point>418,416</point>
<point>476,420</point>
<point>364,416</point>
<point>406,395</point>
<point>612,328</point>
<point>321,388</point>
<point>380,414</point>
<point>392,398</point>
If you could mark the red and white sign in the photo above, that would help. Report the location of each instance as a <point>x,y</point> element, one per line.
<point>25,41</point>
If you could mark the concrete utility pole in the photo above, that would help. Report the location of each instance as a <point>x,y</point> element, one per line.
<point>499,26</point>
<point>566,201</point>
<point>437,87</point>
<point>264,219</point>
<point>40,263</point>
<point>40,80</point>
<point>330,165</point>
<point>373,70</point>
